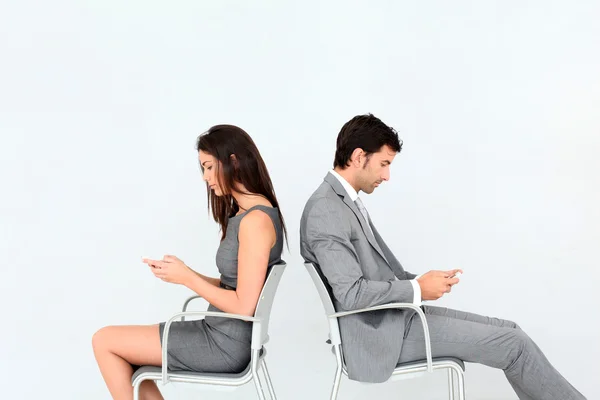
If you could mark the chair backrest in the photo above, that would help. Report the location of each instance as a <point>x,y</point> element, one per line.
<point>265,303</point>
<point>327,300</point>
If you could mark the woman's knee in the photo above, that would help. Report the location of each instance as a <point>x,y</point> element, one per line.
<point>101,338</point>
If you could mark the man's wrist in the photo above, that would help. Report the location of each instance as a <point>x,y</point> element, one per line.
<point>416,292</point>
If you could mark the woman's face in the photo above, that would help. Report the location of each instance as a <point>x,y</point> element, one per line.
<point>209,165</point>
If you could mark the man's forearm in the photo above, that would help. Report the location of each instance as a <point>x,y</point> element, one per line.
<point>366,293</point>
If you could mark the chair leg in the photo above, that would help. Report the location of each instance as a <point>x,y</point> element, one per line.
<point>255,377</point>
<point>268,378</point>
<point>338,374</point>
<point>336,384</point>
<point>259,389</point>
<point>451,383</point>
<point>461,384</point>
<point>136,390</point>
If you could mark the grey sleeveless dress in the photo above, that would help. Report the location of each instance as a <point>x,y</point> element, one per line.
<point>219,344</point>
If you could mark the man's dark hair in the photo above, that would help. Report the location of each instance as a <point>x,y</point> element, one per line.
<point>366,132</point>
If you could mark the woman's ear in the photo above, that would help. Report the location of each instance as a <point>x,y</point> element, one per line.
<point>234,160</point>
<point>236,167</point>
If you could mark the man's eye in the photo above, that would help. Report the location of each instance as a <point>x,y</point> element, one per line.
<point>209,168</point>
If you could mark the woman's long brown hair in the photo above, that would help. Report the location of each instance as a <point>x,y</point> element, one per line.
<point>247,168</point>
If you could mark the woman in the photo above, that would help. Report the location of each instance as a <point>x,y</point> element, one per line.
<point>243,202</point>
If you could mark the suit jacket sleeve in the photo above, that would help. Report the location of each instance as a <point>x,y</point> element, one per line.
<point>328,237</point>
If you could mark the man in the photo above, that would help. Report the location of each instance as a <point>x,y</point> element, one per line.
<point>337,235</point>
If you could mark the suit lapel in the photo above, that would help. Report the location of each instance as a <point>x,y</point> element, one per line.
<point>339,189</point>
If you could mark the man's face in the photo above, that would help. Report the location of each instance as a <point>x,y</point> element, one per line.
<point>376,169</point>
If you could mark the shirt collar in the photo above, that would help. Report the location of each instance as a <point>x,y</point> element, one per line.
<point>347,186</point>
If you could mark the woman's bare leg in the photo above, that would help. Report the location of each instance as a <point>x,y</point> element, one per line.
<point>117,347</point>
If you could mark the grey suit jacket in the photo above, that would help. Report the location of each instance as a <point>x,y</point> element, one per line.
<point>360,270</point>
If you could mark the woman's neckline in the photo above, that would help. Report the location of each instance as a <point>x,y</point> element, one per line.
<point>250,209</point>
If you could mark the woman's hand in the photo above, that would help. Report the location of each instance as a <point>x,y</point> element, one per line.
<point>170,269</point>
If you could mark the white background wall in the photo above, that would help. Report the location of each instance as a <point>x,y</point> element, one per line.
<point>101,102</point>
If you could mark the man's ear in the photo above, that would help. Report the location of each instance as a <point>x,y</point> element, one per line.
<point>357,157</point>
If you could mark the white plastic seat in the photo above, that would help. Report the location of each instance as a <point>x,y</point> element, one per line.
<point>454,366</point>
<point>260,327</point>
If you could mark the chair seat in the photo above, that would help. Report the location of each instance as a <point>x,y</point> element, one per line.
<point>416,364</point>
<point>152,372</point>
<point>436,361</point>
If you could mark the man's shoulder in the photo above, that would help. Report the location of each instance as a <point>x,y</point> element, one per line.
<point>324,196</point>
<point>323,212</point>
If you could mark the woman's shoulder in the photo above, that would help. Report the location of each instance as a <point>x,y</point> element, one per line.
<point>258,220</point>
<point>258,216</point>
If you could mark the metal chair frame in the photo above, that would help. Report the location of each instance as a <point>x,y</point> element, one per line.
<point>454,368</point>
<point>260,325</point>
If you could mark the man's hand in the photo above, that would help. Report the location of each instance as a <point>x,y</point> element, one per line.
<point>434,284</point>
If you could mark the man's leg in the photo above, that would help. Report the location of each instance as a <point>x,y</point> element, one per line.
<point>492,342</point>
<point>467,316</point>
<point>480,319</point>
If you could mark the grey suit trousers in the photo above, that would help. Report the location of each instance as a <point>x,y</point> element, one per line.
<point>490,341</point>
<point>361,272</point>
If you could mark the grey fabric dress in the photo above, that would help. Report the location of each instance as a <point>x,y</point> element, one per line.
<point>219,344</point>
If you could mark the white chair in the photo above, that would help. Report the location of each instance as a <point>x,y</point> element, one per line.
<point>260,327</point>
<point>454,366</point>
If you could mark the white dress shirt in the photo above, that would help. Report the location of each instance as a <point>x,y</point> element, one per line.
<point>354,196</point>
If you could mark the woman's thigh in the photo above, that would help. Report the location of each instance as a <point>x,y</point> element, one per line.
<point>136,344</point>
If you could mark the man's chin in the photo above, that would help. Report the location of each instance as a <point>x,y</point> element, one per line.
<point>369,190</point>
